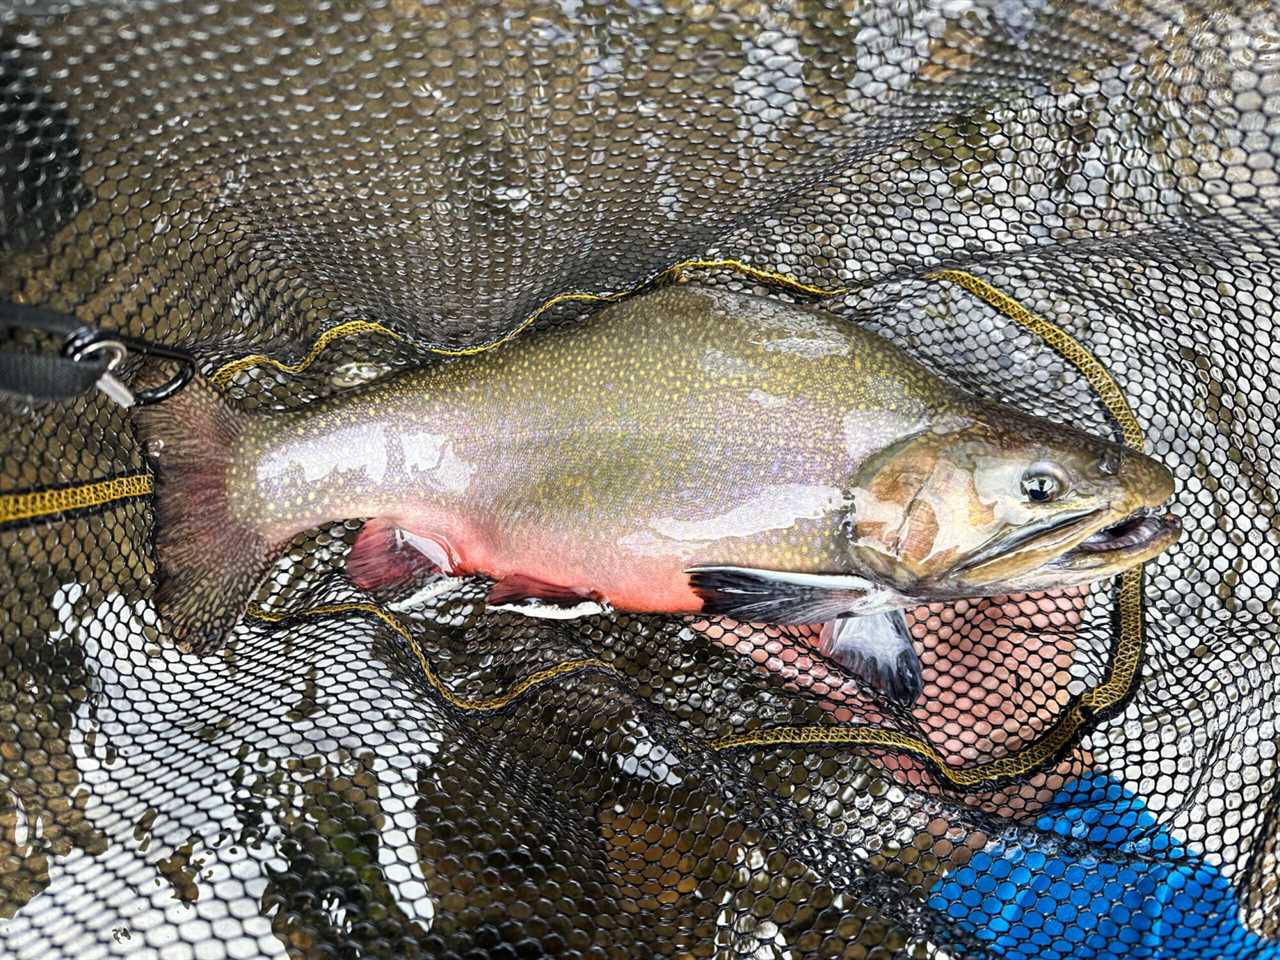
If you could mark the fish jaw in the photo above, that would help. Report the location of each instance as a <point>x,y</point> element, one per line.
<point>1114,549</point>
<point>1093,547</point>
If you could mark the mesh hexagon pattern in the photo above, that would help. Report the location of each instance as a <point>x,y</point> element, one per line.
<point>1068,206</point>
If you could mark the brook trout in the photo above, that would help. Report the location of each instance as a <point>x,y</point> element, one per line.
<point>689,450</point>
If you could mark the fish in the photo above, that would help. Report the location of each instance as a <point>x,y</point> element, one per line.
<point>690,450</point>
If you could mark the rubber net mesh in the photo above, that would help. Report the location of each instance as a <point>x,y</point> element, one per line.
<point>310,195</point>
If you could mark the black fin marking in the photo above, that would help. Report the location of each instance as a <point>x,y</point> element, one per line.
<point>770,596</point>
<point>878,649</point>
<point>210,562</point>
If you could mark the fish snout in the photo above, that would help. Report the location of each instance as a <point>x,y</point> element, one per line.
<point>1143,482</point>
<point>1153,481</point>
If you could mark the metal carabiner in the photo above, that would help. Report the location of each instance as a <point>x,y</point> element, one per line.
<point>115,389</point>
<point>89,341</point>
<point>186,369</point>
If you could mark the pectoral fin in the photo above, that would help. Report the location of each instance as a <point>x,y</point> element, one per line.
<point>772,596</point>
<point>878,649</point>
<point>387,555</point>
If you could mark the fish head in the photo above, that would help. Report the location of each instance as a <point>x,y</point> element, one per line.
<point>1002,502</point>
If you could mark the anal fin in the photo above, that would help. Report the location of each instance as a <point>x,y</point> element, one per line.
<point>532,597</point>
<point>878,649</point>
<point>387,555</point>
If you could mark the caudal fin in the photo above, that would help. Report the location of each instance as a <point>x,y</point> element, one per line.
<point>210,561</point>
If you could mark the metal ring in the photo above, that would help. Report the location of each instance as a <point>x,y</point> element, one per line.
<point>117,350</point>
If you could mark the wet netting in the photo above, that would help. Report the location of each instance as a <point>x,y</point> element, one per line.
<point>1070,207</point>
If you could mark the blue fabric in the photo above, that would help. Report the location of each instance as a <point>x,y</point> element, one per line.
<point>1033,903</point>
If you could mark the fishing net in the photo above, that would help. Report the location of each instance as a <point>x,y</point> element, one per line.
<point>1066,206</point>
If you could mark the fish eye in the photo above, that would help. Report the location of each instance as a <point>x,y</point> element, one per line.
<point>1043,482</point>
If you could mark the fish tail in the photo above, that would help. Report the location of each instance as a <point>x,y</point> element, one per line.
<point>209,561</point>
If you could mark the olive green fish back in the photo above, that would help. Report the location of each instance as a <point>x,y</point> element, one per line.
<point>1067,206</point>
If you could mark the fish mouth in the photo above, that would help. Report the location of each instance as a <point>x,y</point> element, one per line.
<point>1138,537</point>
<point>1071,549</point>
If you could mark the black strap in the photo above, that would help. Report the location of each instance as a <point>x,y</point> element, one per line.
<point>45,376</point>
<point>79,360</point>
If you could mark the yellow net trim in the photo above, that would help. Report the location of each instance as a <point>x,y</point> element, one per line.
<point>495,702</point>
<point>1062,343</point>
<point>32,504</point>
<point>224,374</point>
